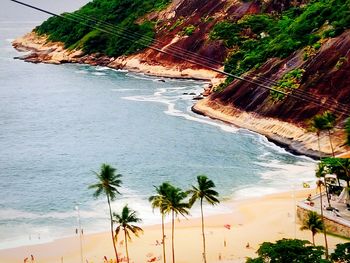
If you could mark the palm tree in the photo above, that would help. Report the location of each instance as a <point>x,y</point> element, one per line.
<point>124,221</point>
<point>347,128</point>
<point>316,125</point>
<point>160,201</point>
<point>108,184</point>
<point>175,205</point>
<point>321,171</point>
<point>330,120</point>
<point>204,191</point>
<point>319,185</point>
<point>313,223</point>
<point>323,122</point>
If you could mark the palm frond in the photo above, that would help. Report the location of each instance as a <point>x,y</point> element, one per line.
<point>108,182</point>
<point>125,220</point>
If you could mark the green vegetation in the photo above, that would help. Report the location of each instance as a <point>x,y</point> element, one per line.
<point>122,14</point>
<point>288,251</point>
<point>125,222</point>
<point>324,122</point>
<point>175,205</point>
<point>108,184</point>
<point>299,251</point>
<point>287,83</point>
<point>340,62</point>
<point>160,201</point>
<point>255,38</point>
<point>347,128</point>
<point>313,223</point>
<point>342,253</point>
<point>188,30</point>
<point>311,51</point>
<point>338,166</point>
<point>170,200</point>
<point>203,192</point>
<point>174,201</point>
<point>178,23</point>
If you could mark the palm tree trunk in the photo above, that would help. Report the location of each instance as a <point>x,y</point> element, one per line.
<point>330,142</point>
<point>172,235</point>
<point>204,252</point>
<point>163,239</point>
<point>319,149</point>
<point>319,145</point>
<point>113,239</point>
<point>327,193</point>
<point>324,226</point>
<point>313,238</point>
<point>126,245</point>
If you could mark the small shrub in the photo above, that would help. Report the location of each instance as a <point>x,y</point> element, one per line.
<point>187,31</point>
<point>340,62</point>
<point>287,83</point>
<point>178,23</point>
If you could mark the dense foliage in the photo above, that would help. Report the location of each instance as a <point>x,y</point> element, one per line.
<point>255,38</point>
<point>117,16</point>
<point>324,122</point>
<point>342,253</point>
<point>288,251</point>
<point>338,166</point>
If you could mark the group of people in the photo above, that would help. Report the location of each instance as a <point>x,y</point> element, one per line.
<point>159,243</point>
<point>32,260</point>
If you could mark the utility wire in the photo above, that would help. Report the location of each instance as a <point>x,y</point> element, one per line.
<point>190,58</point>
<point>258,79</point>
<point>330,102</point>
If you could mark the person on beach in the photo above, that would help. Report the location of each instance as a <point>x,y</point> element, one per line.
<point>308,199</point>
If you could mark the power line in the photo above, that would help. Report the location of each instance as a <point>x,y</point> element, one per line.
<point>328,104</point>
<point>192,56</point>
<point>216,63</point>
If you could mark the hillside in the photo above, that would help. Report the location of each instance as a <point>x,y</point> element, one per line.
<point>300,48</point>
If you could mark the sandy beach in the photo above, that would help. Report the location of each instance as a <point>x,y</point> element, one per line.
<point>252,221</point>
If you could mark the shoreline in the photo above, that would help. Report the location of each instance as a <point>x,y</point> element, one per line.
<point>274,212</point>
<point>43,51</point>
<point>278,143</point>
<point>289,136</point>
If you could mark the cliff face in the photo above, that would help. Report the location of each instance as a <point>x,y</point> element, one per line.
<point>203,16</point>
<point>325,85</point>
<point>185,28</point>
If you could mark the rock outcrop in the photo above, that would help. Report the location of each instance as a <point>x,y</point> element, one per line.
<point>325,84</point>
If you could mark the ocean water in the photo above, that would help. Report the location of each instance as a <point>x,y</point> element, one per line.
<point>60,123</point>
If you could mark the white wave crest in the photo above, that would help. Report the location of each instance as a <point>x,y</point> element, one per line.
<point>122,90</point>
<point>81,71</point>
<point>100,68</point>
<point>99,73</point>
<point>119,70</point>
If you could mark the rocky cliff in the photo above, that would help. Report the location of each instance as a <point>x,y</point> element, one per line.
<point>191,29</point>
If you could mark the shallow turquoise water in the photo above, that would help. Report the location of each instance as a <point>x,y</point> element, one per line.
<point>59,123</point>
